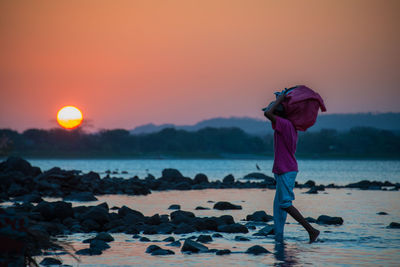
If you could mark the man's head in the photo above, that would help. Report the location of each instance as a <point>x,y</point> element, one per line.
<point>279,110</point>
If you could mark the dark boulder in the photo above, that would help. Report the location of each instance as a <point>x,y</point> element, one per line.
<point>382,213</point>
<point>80,196</point>
<point>260,176</point>
<point>174,207</point>
<point>50,261</point>
<point>169,239</point>
<point>204,238</point>
<point>224,205</point>
<point>171,173</point>
<point>89,252</point>
<point>217,235</point>
<point>223,252</point>
<point>104,236</point>
<point>259,216</point>
<point>144,239</point>
<point>313,190</point>
<point>232,228</point>
<point>201,208</point>
<point>200,178</point>
<point>52,210</point>
<point>229,179</point>
<point>394,225</point>
<point>174,244</point>
<point>162,252</point>
<point>310,220</point>
<point>241,238</point>
<point>257,250</point>
<point>184,228</point>
<point>17,190</point>
<point>225,219</point>
<point>91,225</point>
<point>265,231</point>
<point>98,244</point>
<point>20,165</point>
<point>325,219</point>
<point>193,246</point>
<point>154,220</point>
<point>181,216</point>
<point>152,248</point>
<point>97,214</point>
<point>309,183</point>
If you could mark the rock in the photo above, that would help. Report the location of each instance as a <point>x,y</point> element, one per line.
<point>394,225</point>
<point>260,176</point>
<point>34,197</point>
<point>204,238</point>
<point>200,178</point>
<point>174,207</point>
<point>229,179</point>
<point>313,190</point>
<point>165,228</point>
<point>382,213</point>
<point>144,239</point>
<point>193,246</point>
<point>217,235</point>
<point>90,225</point>
<point>80,196</point>
<point>154,220</point>
<point>223,252</point>
<point>201,208</point>
<point>232,228</point>
<point>104,236</point>
<point>152,248</point>
<point>310,220</point>
<point>225,219</point>
<point>241,238</point>
<point>174,244</point>
<point>52,210</point>
<point>169,239</point>
<point>99,244</point>
<point>309,183</point>
<point>325,219</point>
<point>17,190</point>
<point>162,252</point>
<point>181,216</point>
<point>97,214</point>
<point>20,165</point>
<point>257,250</point>
<point>88,252</point>
<point>171,173</point>
<point>224,205</point>
<point>184,228</point>
<point>265,231</point>
<point>259,216</point>
<point>50,261</point>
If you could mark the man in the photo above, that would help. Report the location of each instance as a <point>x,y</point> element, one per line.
<point>285,170</point>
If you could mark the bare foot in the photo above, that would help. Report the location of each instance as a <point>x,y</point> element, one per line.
<point>313,235</point>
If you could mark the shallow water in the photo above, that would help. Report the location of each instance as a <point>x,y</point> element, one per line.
<point>363,239</point>
<point>340,172</point>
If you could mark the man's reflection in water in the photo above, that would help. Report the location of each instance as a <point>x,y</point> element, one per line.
<point>286,256</point>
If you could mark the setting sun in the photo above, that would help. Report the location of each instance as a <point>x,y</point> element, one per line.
<point>69,117</point>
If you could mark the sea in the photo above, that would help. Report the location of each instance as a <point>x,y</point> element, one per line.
<point>364,239</point>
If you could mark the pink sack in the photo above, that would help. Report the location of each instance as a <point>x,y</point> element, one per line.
<point>301,107</point>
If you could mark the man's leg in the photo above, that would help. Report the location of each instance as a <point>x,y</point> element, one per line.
<point>312,232</point>
<point>279,214</point>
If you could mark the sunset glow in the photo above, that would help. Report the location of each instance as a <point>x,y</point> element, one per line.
<point>69,117</point>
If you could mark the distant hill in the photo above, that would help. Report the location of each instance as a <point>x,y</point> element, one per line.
<point>340,122</point>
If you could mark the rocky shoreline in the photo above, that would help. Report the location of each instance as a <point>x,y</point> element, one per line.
<point>26,185</point>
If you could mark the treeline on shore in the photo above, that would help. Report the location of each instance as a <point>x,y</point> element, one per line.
<point>359,142</point>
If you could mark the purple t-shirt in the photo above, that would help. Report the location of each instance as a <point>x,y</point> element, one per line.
<point>285,142</point>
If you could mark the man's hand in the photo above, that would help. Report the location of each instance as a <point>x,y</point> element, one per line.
<point>269,114</point>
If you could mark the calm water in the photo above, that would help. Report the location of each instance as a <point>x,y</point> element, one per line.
<point>322,171</point>
<point>363,239</point>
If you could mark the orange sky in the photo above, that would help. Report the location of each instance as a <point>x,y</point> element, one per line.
<point>127,63</point>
